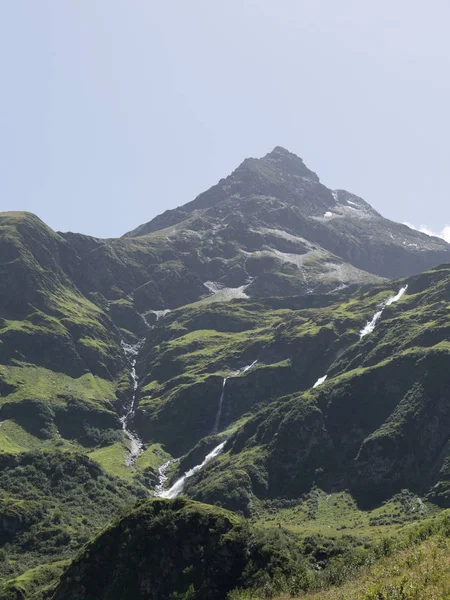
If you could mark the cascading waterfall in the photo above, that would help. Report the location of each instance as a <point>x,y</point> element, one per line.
<point>162,477</point>
<point>320,381</point>
<point>397,297</point>
<point>136,445</point>
<point>144,318</point>
<point>219,407</point>
<point>179,484</point>
<point>370,325</point>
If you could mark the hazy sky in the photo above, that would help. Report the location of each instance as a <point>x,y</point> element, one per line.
<point>112,111</point>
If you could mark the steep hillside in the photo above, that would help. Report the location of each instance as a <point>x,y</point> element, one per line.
<point>51,503</point>
<point>378,423</point>
<point>218,552</point>
<point>221,556</point>
<point>248,349</point>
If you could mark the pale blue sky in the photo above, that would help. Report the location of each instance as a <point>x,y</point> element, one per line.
<point>112,111</point>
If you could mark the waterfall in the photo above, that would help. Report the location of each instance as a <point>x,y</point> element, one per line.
<point>320,381</point>
<point>370,325</point>
<point>162,476</point>
<point>397,297</point>
<point>136,445</point>
<point>219,408</point>
<point>179,484</point>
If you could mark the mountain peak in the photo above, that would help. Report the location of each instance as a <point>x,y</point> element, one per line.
<point>280,151</point>
<point>288,161</point>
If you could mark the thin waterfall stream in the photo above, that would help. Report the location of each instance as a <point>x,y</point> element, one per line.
<point>222,395</point>
<point>176,489</point>
<point>370,325</point>
<point>219,408</point>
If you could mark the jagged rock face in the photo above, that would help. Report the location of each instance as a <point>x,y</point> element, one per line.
<point>269,229</point>
<point>279,192</point>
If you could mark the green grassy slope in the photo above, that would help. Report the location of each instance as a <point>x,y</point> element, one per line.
<point>354,459</point>
<point>51,503</point>
<point>378,423</point>
<point>187,550</point>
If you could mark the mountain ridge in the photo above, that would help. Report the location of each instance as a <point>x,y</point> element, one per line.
<point>258,353</point>
<point>280,185</point>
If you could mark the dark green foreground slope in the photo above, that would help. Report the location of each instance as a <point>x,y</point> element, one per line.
<point>177,549</point>
<point>190,551</point>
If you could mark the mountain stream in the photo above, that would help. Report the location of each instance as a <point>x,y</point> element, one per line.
<point>136,445</point>
<point>179,484</point>
<point>219,408</point>
<point>370,325</point>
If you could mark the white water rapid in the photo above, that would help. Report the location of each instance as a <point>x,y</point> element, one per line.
<point>397,297</point>
<point>370,325</point>
<point>320,381</point>
<point>219,407</point>
<point>179,484</point>
<point>136,445</point>
<point>162,477</point>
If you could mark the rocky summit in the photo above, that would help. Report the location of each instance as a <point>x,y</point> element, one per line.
<point>245,397</point>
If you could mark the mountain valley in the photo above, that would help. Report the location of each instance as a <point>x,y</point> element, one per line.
<point>262,373</point>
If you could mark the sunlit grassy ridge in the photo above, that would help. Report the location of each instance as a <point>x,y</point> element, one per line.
<point>337,514</point>
<point>418,573</point>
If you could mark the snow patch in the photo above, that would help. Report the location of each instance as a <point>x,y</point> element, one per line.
<point>160,314</point>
